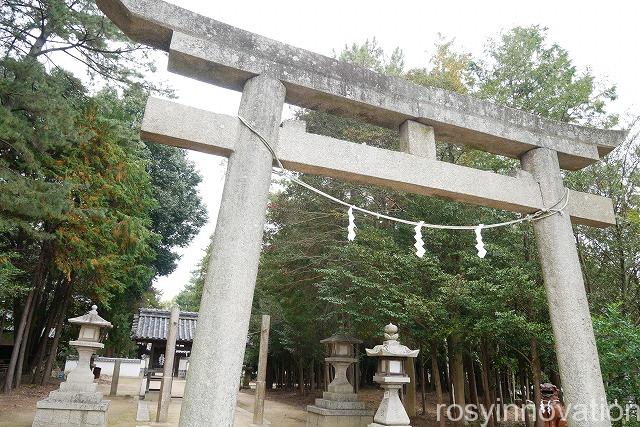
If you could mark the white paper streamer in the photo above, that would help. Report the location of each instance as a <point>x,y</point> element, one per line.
<point>352,226</point>
<point>556,208</point>
<point>419,242</point>
<point>480,246</point>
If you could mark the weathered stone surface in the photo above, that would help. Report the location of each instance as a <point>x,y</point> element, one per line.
<point>342,397</point>
<point>339,404</point>
<point>339,412</point>
<point>391,411</point>
<point>77,402</point>
<point>79,405</point>
<point>218,53</point>
<point>170,123</point>
<point>142,413</point>
<point>223,323</point>
<point>568,306</point>
<point>417,139</point>
<point>55,414</point>
<point>320,420</point>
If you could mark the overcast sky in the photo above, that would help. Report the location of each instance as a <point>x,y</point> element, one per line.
<point>602,35</point>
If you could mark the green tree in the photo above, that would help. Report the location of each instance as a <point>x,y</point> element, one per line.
<point>609,256</point>
<point>190,296</point>
<point>87,212</point>
<point>523,70</point>
<point>618,340</point>
<point>76,30</point>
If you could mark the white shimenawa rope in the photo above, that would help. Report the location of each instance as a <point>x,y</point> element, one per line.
<point>536,216</point>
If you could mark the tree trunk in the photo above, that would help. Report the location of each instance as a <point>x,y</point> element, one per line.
<point>486,368</point>
<point>457,374</point>
<point>46,373</point>
<point>3,318</point>
<point>327,376</point>
<point>447,374</point>
<point>423,385</point>
<point>536,373</point>
<point>37,365</point>
<point>17,344</point>
<point>312,373</point>
<point>301,378</point>
<point>471,374</point>
<point>500,406</point>
<point>351,375</point>
<point>437,384</point>
<point>24,330</point>
<point>410,401</point>
<point>45,313</point>
<point>450,373</point>
<point>23,343</point>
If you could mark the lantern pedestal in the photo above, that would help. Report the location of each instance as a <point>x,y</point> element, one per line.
<point>339,406</point>
<point>391,376</point>
<point>77,403</point>
<point>391,412</point>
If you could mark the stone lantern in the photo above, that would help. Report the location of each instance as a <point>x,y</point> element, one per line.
<point>339,406</point>
<point>77,403</point>
<point>341,351</point>
<point>391,376</point>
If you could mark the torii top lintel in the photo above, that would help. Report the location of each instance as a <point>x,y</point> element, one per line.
<point>217,53</point>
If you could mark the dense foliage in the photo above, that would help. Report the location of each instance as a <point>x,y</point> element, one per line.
<point>88,212</point>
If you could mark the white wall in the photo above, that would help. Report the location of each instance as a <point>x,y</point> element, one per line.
<point>128,367</point>
<point>183,367</point>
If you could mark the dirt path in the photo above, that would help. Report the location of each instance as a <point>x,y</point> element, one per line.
<point>282,408</point>
<point>279,413</point>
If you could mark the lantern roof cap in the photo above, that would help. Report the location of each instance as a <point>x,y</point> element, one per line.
<point>91,318</point>
<point>341,338</point>
<point>391,347</point>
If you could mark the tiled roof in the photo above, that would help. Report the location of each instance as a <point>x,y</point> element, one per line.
<point>153,324</point>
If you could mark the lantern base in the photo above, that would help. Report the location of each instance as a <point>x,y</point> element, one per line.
<point>338,410</point>
<point>341,397</point>
<point>340,404</point>
<point>50,413</point>
<point>74,404</point>
<point>323,417</point>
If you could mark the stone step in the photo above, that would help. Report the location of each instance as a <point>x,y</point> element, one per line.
<point>340,397</point>
<point>337,404</point>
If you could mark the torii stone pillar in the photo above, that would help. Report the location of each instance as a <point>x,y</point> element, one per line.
<point>223,323</point>
<point>568,306</point>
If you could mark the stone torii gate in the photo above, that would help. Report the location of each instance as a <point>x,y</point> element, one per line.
<point>270,73</point>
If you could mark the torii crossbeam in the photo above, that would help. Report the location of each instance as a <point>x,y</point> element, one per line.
<point>269,73</point>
